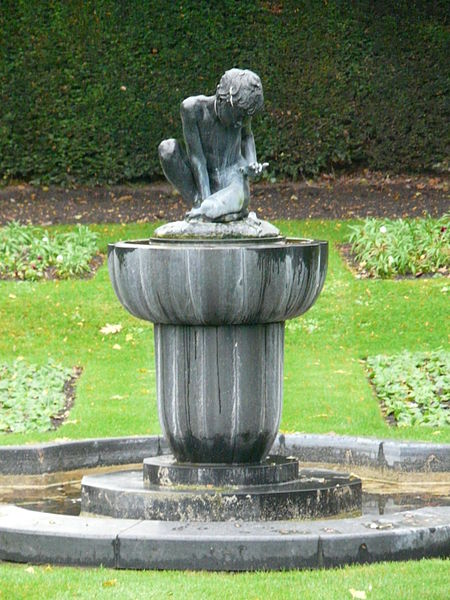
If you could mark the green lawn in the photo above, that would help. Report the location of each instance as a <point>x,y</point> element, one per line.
<point>424,580</point>
<point>326,389</point>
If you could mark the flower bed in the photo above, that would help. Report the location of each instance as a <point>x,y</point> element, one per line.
<point>385,247</point>
<point>31,253</point>
<point>33,398</point>
<point>413,387</point>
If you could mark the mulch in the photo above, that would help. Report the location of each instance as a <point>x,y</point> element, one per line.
<point>347,197</point>
<point>69,390</point>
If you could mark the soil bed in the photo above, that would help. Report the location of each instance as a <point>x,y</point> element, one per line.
<point>346,197</point>
<point>70,394</point>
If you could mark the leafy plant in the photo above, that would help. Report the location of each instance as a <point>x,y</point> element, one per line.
<point>414,387</point>
<point>385,247</point>
<point>31,253</point>
<point>31,395</point>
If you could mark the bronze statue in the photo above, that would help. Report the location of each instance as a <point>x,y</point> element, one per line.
<point>212,171</point>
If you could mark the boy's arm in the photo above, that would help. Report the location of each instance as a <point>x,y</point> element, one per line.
<point>194,146</point>
<point>248,147</point>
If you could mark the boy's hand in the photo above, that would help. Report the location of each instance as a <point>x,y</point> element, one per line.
<point>254,169</point>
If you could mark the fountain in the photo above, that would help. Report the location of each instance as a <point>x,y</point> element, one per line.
<point>219,287</point>
<point>220,491</point>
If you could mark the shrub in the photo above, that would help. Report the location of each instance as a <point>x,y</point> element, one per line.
<point>89,89</point>
<point>30,396</point>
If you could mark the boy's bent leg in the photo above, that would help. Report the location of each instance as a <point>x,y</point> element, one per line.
<point>230,201</point>
<point>175,165</point>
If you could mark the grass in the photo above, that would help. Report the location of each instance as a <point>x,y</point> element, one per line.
<point>426,579</point>
<point>325,385</point>
<point>388,247</point>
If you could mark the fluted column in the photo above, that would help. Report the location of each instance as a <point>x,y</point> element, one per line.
<point>220,390</point>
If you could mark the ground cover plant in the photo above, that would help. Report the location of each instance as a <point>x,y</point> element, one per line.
<point>31,396</point>
<point>413,386</point>
<point>31,253</point>
<point>388,247</point>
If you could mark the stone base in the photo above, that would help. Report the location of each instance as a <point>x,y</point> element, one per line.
<point>166,471</point>
<point>308,494</point>
<point>250,227</point>
<point>39,538</point>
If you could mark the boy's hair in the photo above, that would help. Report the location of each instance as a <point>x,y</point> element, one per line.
<point>241,88</point>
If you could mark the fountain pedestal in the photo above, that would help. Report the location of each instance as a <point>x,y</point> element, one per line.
<point>220,390</point>
<point>272,490</point>
<point>219,307</point>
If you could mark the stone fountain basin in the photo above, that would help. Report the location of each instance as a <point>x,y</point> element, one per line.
<point>29,536</point>
<point>232,282</point>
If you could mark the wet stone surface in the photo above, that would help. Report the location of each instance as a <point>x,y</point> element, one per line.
<point>68,502</point>
<point>314,494</point>
<point>165,471</point>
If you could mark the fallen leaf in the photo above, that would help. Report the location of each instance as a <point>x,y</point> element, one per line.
<point>112,583</point>
<point>109,329</point>
<point>360,594</point>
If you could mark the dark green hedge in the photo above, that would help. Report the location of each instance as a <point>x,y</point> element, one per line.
<point>89,88</point>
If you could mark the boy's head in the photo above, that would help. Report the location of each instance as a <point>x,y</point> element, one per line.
<point>242,90</point>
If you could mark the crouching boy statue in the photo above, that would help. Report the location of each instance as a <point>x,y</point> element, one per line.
<point>212,171</point>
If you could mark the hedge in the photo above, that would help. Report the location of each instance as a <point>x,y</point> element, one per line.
<point>88,88</point>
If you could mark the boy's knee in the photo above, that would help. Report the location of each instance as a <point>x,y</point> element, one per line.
<point>167,148</point>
